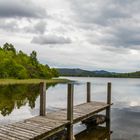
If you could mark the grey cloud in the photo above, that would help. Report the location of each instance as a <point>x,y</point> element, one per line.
<point>40,28</point>
<point>99,12</point>
<point>13,26</point>
<point>120,50</point>
<point>8,25</point>
<point>112,23</point>
<point>51,39</point>
<point>20,8</point>
<point>119,37</point>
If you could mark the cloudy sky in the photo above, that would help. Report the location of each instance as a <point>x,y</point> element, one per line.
<point>87,34</point>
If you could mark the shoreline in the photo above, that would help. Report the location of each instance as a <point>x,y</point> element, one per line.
<point>101,77</point>
<point>33,81</point>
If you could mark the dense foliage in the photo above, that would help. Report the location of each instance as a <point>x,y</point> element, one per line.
<point>19,65</point>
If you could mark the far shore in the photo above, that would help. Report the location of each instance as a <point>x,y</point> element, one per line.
<point>33,81</point>
<point>100,77</point>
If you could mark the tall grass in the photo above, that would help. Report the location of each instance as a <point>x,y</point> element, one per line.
<point>31,81</point>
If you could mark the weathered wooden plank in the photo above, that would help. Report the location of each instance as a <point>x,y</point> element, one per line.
<point>5,137</point>
<point>37,126</point>
<point>35,129</point>
<point>41,125</point>
<point>91,111</point>
<point>57,116</point>
<point>22,133</point>
<point>16,133</point>
<point>48,120</point>
<point>50,133</point>
<point>24,130</point>
<point>44,127</point>
<point>11,134</point>
<point>61,115</point>
<point>48,125</point>
<point>88,108</point>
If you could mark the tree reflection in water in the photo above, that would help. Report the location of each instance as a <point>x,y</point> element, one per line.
<point>16,96</point>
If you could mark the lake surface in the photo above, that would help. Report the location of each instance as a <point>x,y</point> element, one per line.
<point>18,102</point>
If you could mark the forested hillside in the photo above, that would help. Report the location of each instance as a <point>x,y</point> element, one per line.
<point>17,64</point>
<point>97,73</point>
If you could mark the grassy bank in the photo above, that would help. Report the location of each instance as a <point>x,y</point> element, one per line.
<point>31,81</point>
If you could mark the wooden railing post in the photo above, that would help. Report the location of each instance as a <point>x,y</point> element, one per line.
<point>88,92</point>
<point>108,93</point>
<point>42,99</point>
<point>109,103</point>
<point>70,111</point>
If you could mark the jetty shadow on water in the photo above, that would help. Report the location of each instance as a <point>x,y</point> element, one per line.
<point>98,133</point>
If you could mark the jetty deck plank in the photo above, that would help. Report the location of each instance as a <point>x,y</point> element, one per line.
<point>42,126</point>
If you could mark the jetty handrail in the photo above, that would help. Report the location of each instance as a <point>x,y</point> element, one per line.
<point>70,92</point>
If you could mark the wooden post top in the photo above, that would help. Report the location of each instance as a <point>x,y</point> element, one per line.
<point>88,92</point>
<point>109,93</point>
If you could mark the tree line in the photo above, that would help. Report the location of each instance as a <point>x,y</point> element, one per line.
<point>17,64</point>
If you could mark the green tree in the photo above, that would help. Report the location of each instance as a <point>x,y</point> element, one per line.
<point>9,47</point>
<point>54,72</point>
<point>19,65</point>
<point>33,57</point>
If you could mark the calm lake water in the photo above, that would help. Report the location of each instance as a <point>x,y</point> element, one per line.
<point>18,102</point>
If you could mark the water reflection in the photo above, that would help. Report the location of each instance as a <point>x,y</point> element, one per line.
<point>126,124</point>
<point>125,113</point>
<point>15,96</point>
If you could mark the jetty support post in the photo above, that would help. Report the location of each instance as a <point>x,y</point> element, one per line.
<point>70,111</point>
<point>108,109</point>
<point>88,92</point>
<point>42,99</point>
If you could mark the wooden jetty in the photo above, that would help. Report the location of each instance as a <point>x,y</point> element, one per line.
<point>48,124</point>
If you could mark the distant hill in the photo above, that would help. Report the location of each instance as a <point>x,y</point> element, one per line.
<point>97,73</point>
<point>74,72</point>
<point>80,72</point>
